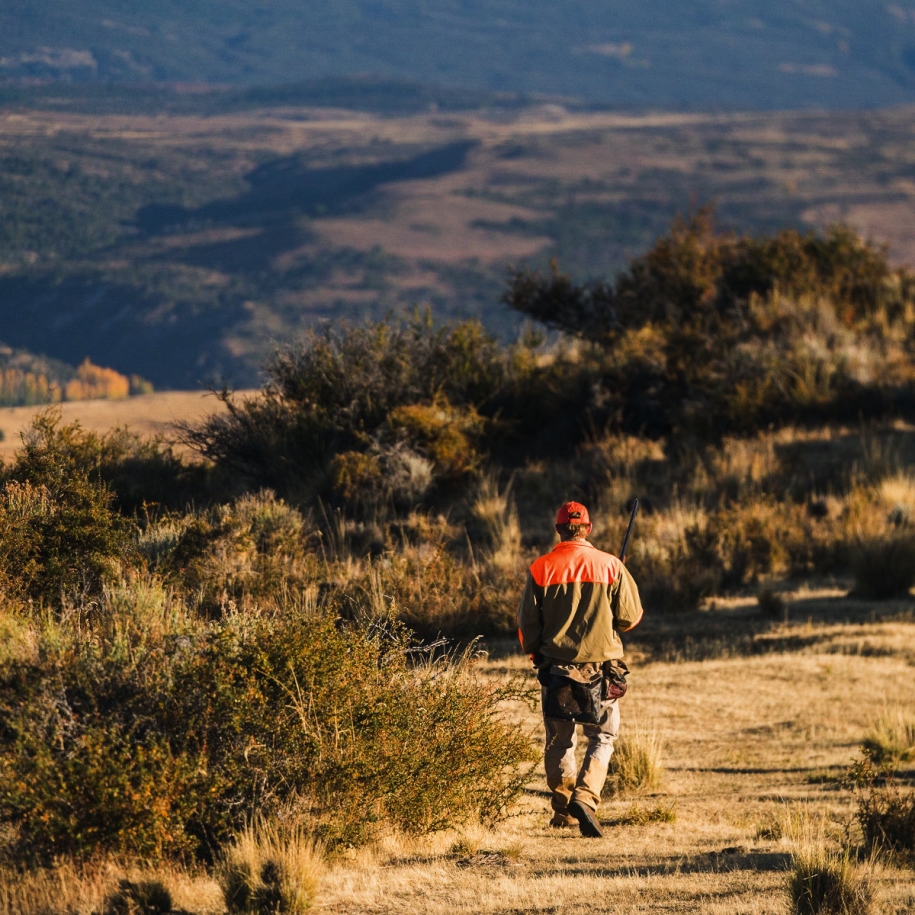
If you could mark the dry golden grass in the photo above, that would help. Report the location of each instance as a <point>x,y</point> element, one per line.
<point>494,512</point>
<point>823,880</point>
<point>89,890</point>
<point>891,739</point>
<point>637,763</point>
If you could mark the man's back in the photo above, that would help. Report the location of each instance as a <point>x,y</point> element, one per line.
<point>576,600</point>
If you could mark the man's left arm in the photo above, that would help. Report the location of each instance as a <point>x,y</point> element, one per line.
<point>625,602</point>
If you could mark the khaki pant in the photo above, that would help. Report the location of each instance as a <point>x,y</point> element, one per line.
<point>565,779</point>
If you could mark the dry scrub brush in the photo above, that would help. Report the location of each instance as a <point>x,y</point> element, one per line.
<point>156,736</point>
<point>885,812</point>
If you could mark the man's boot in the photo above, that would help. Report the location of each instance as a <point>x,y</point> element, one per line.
<point>587,822</point>
<point>562,820</point>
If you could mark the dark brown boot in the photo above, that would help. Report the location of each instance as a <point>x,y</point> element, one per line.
<point>587,822</point>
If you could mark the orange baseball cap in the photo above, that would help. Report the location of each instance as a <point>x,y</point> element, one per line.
<point>572,513</point>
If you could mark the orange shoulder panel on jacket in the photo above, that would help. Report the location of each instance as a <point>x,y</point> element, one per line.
<point>570,562</point>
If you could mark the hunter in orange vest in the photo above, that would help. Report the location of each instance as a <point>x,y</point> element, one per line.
<point>576,601</point>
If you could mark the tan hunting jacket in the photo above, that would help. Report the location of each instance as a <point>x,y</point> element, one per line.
<point>576,602</point>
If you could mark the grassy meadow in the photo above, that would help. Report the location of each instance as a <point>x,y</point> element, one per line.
<point>747,739</point>
<point>269,665</point>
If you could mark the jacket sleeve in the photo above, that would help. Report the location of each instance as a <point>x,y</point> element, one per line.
<point>626,603</point>
<point>530,616</point>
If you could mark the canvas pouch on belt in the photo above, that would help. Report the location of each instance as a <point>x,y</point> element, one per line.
<point>572,692</point>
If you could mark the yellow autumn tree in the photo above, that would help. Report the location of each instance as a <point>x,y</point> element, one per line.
<point>93,382</point>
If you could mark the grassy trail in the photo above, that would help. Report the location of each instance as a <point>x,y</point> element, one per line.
<point>743,737</point>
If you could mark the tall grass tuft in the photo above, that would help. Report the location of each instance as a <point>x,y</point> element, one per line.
<point>40,892</point>
<point>270,870</point>
<point>823,881</point>
<point>496,522</point>
<point>643,814</point>
<point>149,897</point>
<point>891,739</point>
<point>636,763</point>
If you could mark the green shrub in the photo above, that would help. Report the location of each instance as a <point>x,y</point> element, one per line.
<point>694,276</point>
<point>364,734</point>
<point>351,389</point>
<point>247,550</point>
<point>118,741</point>
<point>709,332</point>
<point>86,785</point>
<point>140,473</point>
<point>885,567</point>
<point>60,541</point>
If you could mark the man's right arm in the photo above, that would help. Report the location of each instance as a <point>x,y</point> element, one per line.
<point>530,616</point>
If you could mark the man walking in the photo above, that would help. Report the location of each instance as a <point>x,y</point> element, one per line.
<point>577,598</point>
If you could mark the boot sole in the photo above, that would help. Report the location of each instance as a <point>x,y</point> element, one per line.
<point>587,823</point>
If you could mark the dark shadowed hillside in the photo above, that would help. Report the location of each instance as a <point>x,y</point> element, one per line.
<point>698,53</point>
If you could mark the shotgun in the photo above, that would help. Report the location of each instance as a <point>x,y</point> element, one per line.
<point>625,547</point>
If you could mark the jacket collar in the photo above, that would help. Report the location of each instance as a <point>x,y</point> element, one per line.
<point>573,544</point>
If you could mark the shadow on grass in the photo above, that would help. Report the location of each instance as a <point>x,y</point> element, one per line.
<point>711,862</point>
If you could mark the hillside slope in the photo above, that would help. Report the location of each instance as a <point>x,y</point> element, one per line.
<point>182,248</point>
<point>744,53</point>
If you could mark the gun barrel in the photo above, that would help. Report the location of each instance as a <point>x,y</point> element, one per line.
<point>625,547</point>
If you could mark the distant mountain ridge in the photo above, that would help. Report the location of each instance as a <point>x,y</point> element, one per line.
<point>729,54</point>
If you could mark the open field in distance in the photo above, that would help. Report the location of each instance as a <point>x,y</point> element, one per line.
<point>149,415</point>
